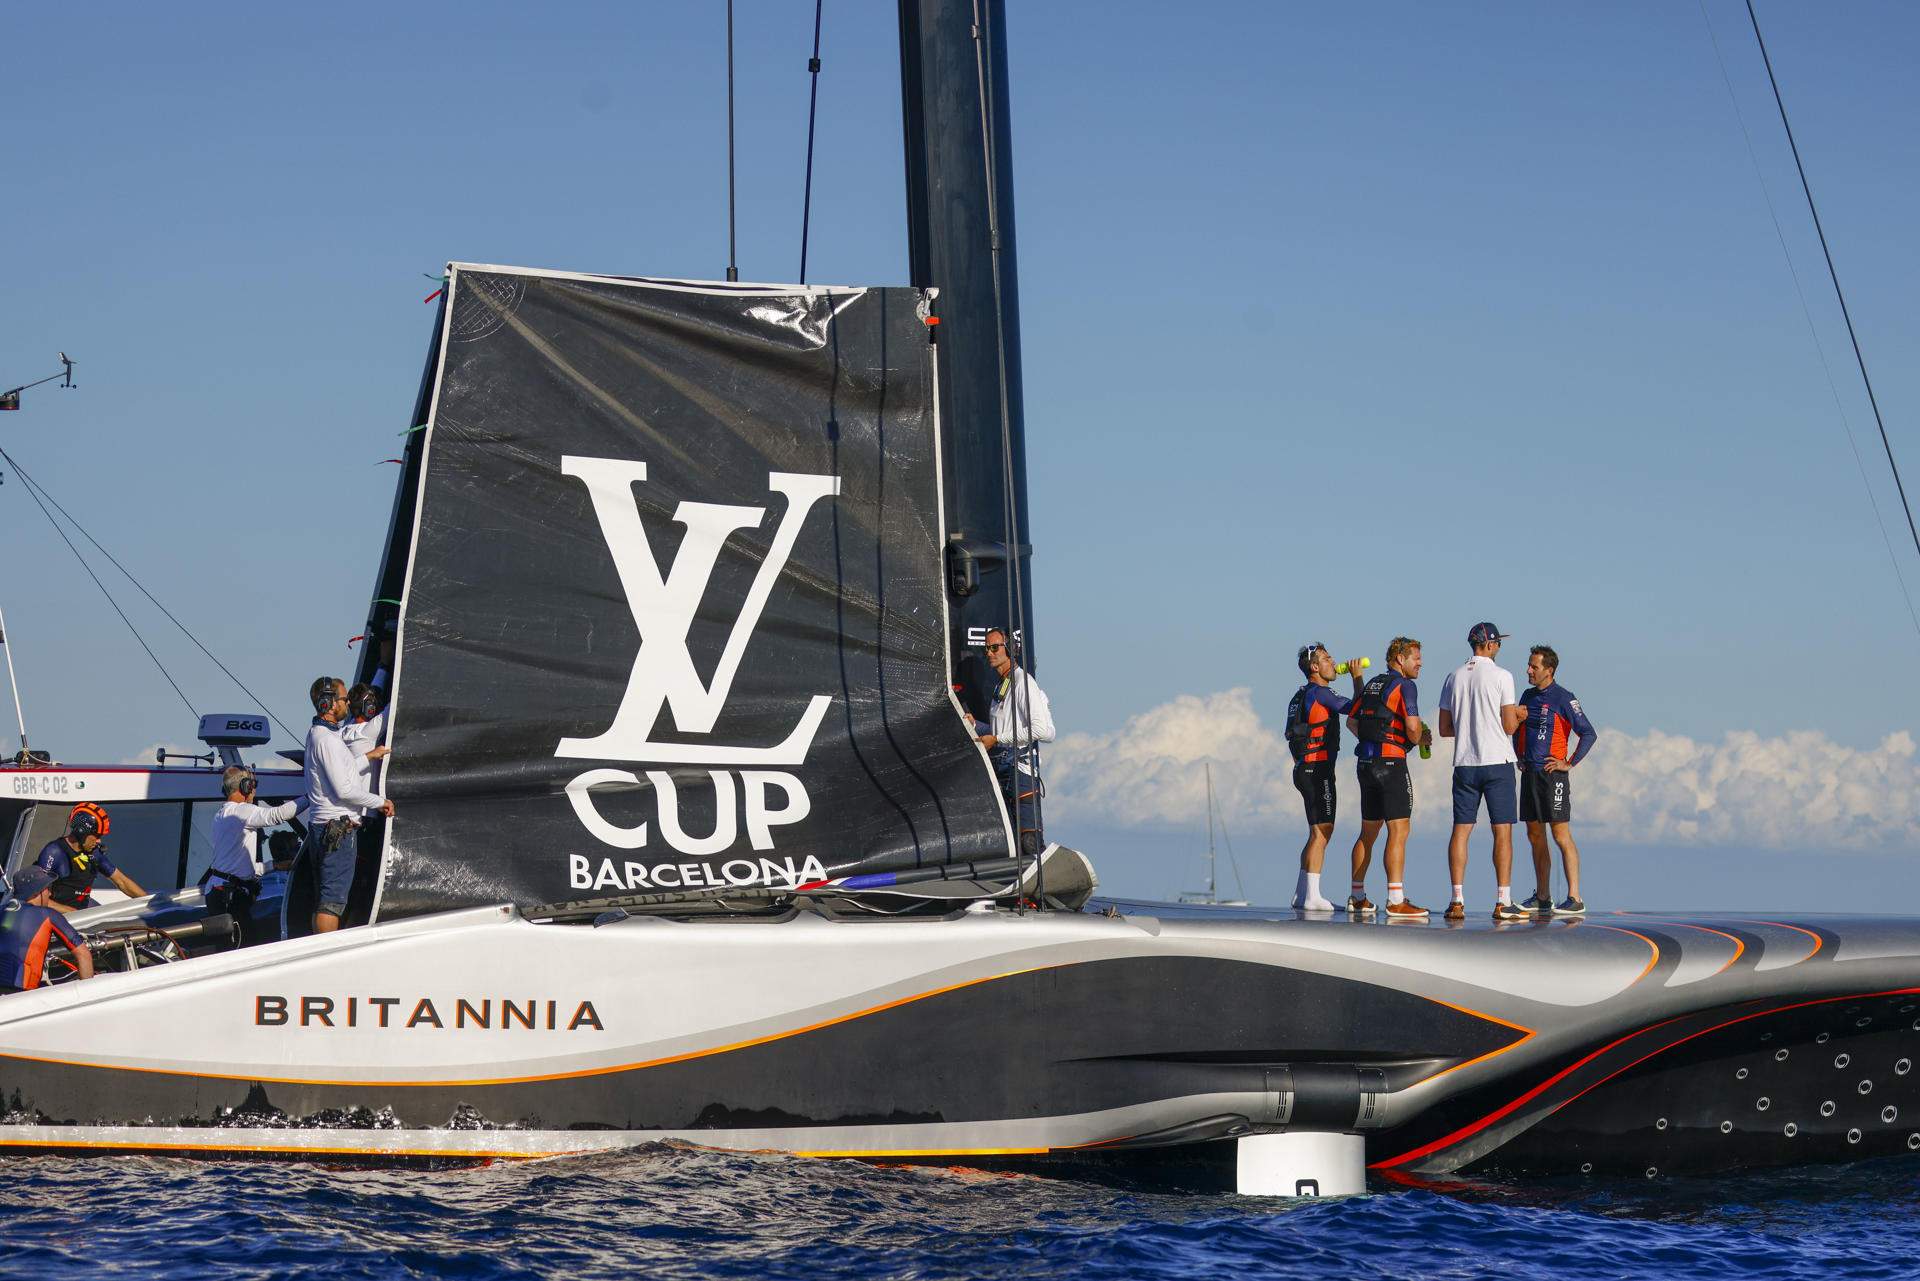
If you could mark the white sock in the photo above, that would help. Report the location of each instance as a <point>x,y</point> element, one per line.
<point>1459,894</point>
<point>1506,895</point>
<point>1396,892</point>
<point>1313,885</point>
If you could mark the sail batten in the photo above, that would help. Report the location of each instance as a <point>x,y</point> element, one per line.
<point>675,612</point>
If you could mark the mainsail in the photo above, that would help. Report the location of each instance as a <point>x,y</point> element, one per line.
<point>674,614</point>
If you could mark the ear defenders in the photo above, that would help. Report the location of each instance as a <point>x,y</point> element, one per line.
<point>323,702</point>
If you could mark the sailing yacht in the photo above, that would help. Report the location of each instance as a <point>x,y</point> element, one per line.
<point>696,844</point>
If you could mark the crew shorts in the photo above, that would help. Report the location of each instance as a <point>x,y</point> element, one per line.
<point>1544,797</point>
<point>1493,782</point>
<point>1386,790</point>
<point>1316,787</point>
<point>336,870</point>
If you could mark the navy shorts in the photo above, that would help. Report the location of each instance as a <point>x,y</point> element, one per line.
<point>1317,791</point>
<point>1544,797</point>
<point>336,870</point>
<point>1494,782</point>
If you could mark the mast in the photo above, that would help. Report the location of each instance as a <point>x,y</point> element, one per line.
<point>960,235</point>
<point>1213,885</point>
<point>19,716</point>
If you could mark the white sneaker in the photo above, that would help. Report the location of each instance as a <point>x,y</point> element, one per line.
<point>1312,905</point>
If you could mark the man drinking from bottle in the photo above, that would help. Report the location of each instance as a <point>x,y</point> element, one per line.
<point>1313,736</point>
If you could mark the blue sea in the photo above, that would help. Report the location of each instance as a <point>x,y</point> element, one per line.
<point>668,1212</point>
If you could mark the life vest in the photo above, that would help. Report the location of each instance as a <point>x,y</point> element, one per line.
<point>1311,741</point>
<point>75,889</point>
<point>1374,721</point>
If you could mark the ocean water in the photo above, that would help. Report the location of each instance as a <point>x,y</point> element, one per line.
<point>667,1212</point>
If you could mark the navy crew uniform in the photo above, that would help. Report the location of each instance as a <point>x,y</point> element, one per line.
<point>73,870</point>
<point>27,933</point>
<point>1313,736</point>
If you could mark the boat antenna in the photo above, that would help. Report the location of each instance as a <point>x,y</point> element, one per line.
<point>813,106</point>
<point>19,716</point>
<point>733,256</point>
<point>1833,275</point>
<point>1016,595</point>
<point>10,398</point>
<point>1806,312</point>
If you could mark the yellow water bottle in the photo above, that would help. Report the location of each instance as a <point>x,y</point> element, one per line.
<point>1340,669</point>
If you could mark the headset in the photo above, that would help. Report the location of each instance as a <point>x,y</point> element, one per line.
<point>1013,641</point>
<point>322,694</point>
<point>241,779</point>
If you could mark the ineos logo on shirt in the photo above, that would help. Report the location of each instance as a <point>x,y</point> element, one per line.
<point>664,677</point>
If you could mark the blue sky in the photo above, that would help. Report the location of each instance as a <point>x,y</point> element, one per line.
<point>1338,323</point>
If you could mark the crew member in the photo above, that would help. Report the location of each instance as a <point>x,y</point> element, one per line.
<point>233,881</point>
<point>29,925</point>
<point>1022,719</point>
<point>362,734</point>
<point>75,859</point>
<point>1313,736</point>
<point>1478,711</point>
<point>1386,720</point>
<point>1546,790</point>
<point>336,798</point>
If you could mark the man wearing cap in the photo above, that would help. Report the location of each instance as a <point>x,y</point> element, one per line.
<point>1479,713</point>
<point>29,925</point>
<point>72,861</point>
<point>1313,736</point>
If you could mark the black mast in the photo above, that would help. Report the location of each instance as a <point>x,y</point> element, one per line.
<point>953,58</point>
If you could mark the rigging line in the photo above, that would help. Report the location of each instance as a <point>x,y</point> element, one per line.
<point>1834,276</point>
<point>32,493</point>
<point>733,255</point>
<point>813,105</point>
<point>33,484</point>
<point>1813,330</point>
<point>1015,579</point>
<point>1232,860</point>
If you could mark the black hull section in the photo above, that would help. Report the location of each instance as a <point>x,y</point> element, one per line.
<point>1047,1043</point>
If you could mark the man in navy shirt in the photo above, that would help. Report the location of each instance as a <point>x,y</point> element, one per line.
<point>28,927</point>
<point>75,859</point>
<point>1313,736</point>
<point>1546,797</point>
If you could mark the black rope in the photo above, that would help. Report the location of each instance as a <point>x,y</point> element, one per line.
<point>1015,579</point>
<point>1813,330</point>
<point>813,106</point>
<point>1834,276</point>
<point>32,492</point>
<point>33,485</point>
<point>733,256</point>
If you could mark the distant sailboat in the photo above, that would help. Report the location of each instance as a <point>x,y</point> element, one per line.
<point>1211,896</point>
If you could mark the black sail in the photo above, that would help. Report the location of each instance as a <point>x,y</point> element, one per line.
<point>674,614</point>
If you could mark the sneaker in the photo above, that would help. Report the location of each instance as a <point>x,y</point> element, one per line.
<point>1456,911</point>
<point>1510,912</point>
<point>1538,905</point>
<point>1571,907</point>
<point>1312,905</point>
<point>1408,911</point>
<point>1362,906</point>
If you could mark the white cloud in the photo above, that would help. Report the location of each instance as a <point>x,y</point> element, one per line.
<point>1799,789</point>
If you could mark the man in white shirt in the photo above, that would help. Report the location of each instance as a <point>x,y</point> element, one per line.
<point>1022,719</point>
<point>233,881</point>
<point>336,798</point>
<point>1479,713</point>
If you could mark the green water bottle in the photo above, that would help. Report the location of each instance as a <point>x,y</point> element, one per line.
<point>1426,744</point>
<point>1340,669</point>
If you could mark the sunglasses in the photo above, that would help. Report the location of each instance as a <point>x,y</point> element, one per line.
<point>994,649</point>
